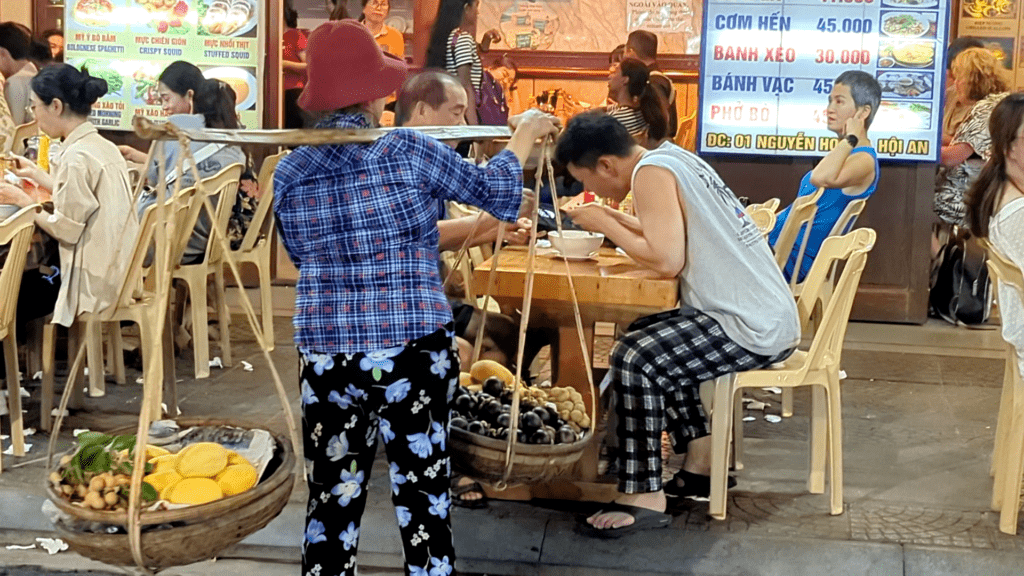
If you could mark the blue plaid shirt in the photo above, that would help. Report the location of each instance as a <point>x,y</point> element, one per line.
<point>360,223</point>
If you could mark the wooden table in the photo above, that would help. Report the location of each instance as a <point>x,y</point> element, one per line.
<point>610,288</point>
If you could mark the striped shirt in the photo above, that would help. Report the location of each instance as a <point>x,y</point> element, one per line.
<point>631,118</point>
<point>462,52</point>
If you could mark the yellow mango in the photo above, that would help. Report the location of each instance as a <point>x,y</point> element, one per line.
<point>465,379</point>
<point>484,369</point>
<point>202,460</point>
<point>161,480</point>
<point>236,458</point>
<point>155,451</point>
<point>194,491</point>
<point>164,463</point>
<point>237,479</point>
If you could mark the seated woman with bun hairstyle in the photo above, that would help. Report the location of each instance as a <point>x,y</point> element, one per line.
<point>92,216</point>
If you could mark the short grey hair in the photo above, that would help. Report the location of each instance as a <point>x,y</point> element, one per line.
<point>864,89</point>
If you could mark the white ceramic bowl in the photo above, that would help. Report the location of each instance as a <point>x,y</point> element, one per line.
<point>576,243</point>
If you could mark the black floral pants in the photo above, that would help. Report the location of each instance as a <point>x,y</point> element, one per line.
<point>401,395</point>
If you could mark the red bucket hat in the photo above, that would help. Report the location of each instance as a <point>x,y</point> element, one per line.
<point>345,67</point>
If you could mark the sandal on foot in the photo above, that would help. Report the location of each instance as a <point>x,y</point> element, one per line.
<point>458,491</point>
<point>694,485</point>
<point>643,519</point>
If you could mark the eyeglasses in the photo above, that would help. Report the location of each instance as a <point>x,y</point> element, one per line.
<point>379,5</point>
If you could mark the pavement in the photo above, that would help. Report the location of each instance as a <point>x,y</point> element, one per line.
<point>919,408</point>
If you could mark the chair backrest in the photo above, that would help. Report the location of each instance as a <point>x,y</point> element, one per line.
<point>263,219</point>
<point>801,217</point>
<point>142,260</point>
<point>222,186</point>
<point>848,218</point>
<point>16,143</point>
<point>770,204</point>
<point>827,344</point>
<point>16,231</point>
<point>1003,270</point>
<point>763,218</point>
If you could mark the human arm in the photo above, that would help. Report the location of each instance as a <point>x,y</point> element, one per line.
<point>131,154</point>
<point>455,231</point>
<point>527,128</point>
<point>955,154</point>
<point>840,169</point>
<point>464,56</point>
<point>25,168</point>
<point>657,237</point>
<point>466,79</point>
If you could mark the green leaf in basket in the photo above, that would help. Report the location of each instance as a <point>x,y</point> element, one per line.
<point>93,439</point>
<point>125,442</point>
<point>149,493</point>
<point>94,459</point>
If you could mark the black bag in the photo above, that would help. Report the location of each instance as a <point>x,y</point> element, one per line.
<point>962,293</point>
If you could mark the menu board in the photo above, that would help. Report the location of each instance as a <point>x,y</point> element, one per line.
<point>128,43</point>
<point>997,23</point>
<point>767,69</point>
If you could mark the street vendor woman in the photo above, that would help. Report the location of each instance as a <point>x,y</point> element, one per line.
<point>372,325</point>
<point>737,313</point>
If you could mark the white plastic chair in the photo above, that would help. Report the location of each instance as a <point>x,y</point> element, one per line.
<point>256,249</point>
<point>818,367</point>
<point>223,187</point>
<point>17,232</point>
<point>1008,453</point>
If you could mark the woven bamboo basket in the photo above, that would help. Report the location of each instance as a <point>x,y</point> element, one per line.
<point>505,462</point>
<point>280,468</point>
<point>196,533</point>
<point>187,535</point>
<point>484,458</point>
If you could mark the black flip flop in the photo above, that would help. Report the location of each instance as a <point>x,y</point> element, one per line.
<point>643,519</point>
<point>694,485</point>
<point>458,491</point>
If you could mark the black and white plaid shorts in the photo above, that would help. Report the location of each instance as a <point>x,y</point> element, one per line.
<point>658,367</point>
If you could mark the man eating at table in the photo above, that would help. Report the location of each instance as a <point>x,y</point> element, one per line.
<point>736,311</point>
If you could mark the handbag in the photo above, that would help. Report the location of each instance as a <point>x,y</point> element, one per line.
<point>491,107</point>
<point>962,293</point>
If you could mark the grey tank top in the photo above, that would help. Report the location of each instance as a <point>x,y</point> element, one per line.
<point>730,272</point>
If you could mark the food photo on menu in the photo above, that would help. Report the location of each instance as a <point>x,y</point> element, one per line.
<point>94,14</point>
<point>227,17</point>
<point>909,24</point>
<point>166,16</point>
<point>990,8</point>
<point>900,84</point>
<point>242,81</point>
<point>906,54</point>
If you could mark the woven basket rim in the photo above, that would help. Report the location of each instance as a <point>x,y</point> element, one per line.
<point>197,512</point>
<point>467,437</point>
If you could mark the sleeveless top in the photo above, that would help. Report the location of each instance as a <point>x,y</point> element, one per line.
<point>830,208</point>
<point>730,273</point>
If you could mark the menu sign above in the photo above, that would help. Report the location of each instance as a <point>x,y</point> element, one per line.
<point>767,68</point>
<point>128,43</point>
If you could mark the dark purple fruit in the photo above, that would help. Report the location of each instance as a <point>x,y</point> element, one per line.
<point>521,436</point>
<point>565,435</point>
<point>504,419</point>
<point>477,427</point>
<point>530,422</point>
<point>465,404</point>
<point>494,386</point>
<point>460,422</point>
<point>501,433</point>
<point>491,410</point>
<point>544,415</point>
<point>541,437</point>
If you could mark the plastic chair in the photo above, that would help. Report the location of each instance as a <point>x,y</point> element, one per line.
<point>16,143</point>
<point>136,302</point>
<point>1008,453</point>
<point>223,187</point>
<point>763,218</point>
<point>817,367</point>
<point>17,231</point>
<point>771,204</point>
<point>255,249</point>
<point>801,217</point>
